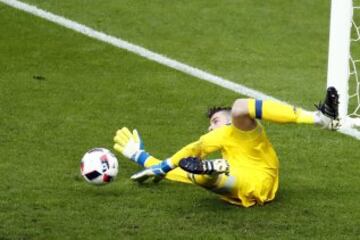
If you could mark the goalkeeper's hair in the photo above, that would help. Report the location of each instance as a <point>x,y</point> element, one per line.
<point>211,111</point>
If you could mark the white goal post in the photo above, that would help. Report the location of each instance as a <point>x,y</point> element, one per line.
<point>342,65</point>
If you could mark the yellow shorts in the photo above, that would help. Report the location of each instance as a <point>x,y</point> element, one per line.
<point>252,187</point>
<point>246,187</point>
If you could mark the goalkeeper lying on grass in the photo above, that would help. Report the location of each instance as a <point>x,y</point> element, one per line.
<point>248,171</point>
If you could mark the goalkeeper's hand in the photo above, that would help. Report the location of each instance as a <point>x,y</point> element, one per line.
<point>157,172</point>
<point>130,145</point>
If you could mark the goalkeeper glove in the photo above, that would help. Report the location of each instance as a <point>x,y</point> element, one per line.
<point>157,172</point>
<point>130,145</point>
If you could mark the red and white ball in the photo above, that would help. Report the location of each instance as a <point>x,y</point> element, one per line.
<point>99,166</point>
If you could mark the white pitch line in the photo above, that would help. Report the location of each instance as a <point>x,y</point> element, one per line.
<point>138,50</point>
<point>120,43</point>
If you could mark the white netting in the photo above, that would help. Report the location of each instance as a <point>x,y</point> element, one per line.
<point>344,65</point>
<point>354,84</point>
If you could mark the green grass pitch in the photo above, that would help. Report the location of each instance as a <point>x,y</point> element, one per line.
<point>62,93</point>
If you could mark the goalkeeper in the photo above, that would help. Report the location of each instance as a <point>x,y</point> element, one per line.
<point>248,172</point>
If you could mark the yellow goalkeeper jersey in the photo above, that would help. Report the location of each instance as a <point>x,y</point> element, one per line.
<point>252,159</point>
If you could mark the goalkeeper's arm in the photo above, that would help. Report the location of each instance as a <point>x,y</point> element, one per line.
<point>206,144</point>
<point>131,146</point>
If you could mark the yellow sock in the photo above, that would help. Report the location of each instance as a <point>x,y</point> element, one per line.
<point>279,112</point>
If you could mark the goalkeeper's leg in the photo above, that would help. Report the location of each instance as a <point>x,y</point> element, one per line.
<point>212,175</point>
<point>283,113</point>
<point>194,170</point>
<point>209,174</point>
<point>222,184</point>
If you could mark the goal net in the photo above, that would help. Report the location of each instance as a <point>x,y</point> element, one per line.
<point>344,62</point>
<point>354,84</point>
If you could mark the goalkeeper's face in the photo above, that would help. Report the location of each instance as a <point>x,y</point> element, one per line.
<point>219,119</point>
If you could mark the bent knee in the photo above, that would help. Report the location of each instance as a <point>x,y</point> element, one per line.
<point>240,107</point>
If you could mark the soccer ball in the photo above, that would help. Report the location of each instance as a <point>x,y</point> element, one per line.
<point>99,166</point>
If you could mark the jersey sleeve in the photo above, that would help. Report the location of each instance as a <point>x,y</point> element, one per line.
<point>206,144</point>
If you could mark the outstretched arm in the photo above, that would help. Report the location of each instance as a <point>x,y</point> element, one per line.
<point>206,144</point>
<point>131,146</point>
